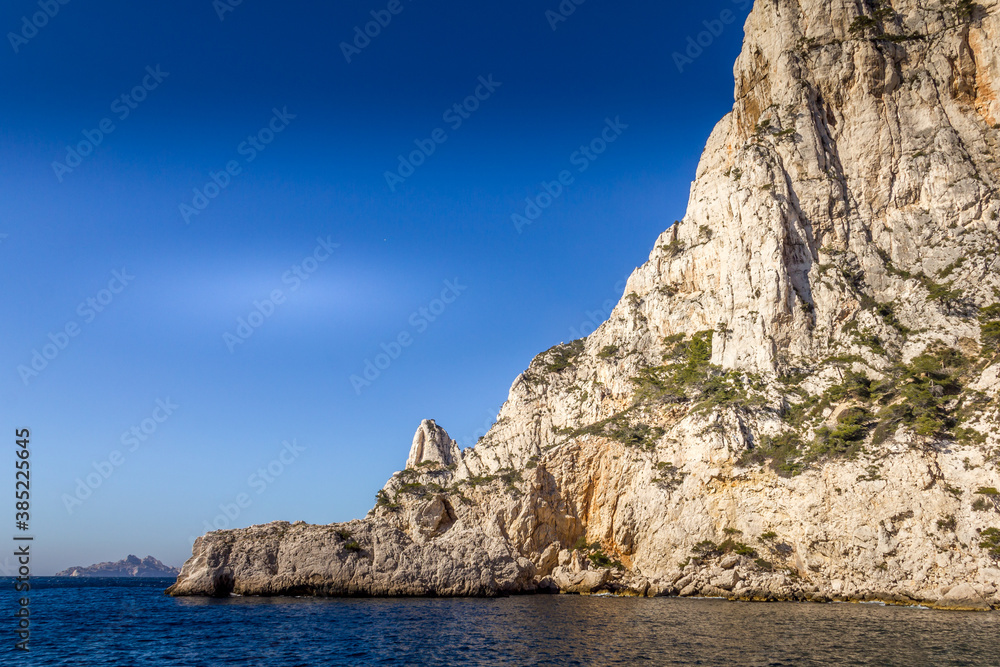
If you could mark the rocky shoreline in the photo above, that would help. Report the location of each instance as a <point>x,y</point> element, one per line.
<point>731,577</point>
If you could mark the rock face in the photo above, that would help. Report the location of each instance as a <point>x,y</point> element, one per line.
<point>796,398</point>
<point>132,566</point>
<point>431,444</point>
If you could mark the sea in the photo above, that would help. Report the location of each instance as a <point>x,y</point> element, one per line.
<point>131,622</point>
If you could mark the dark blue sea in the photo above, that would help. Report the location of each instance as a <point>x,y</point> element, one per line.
<point>131,622</point>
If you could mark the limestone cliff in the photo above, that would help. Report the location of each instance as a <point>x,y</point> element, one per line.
<point>795,399</point>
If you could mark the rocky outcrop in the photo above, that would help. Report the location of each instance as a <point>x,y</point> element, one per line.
<point>796,398</point>
<point>357,558</point>
<point>431,444</point>
<point>132,566</point>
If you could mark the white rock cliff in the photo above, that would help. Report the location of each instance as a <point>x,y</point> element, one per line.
<point>795,399</point>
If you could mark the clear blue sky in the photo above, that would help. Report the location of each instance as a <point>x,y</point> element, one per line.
<point>156,330</point>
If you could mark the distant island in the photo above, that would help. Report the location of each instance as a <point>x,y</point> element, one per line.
<point>132,566</point>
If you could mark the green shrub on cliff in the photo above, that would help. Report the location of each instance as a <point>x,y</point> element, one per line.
<point>635,435</point>
<point>991,542</point>
<point>927,384</point>
<point>620,427</point>
<point>382,500</point>
<point>706,549</point>
<point>669,476</point>
<point>947,524</point>
<point>846,438</point>
<point>783,452</point>
<point>608,352</point>
<point>965,9</point>
<point>689,375</point>
<point>600,559</point>
<point>989,329</point>
<point>561,357</point>
<point>730,545</point>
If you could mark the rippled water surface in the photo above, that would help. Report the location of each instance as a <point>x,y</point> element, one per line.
<point>131,622</point>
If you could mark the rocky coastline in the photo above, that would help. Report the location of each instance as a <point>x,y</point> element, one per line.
<point>796,397</point>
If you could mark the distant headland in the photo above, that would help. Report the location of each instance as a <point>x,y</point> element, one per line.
<point>132,566</point>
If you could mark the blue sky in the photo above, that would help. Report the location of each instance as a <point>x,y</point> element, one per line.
<point>163,169</point>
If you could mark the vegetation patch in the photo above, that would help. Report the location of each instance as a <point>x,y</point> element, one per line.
<point>382,500</point>
<point>595,555</point>
<point>619,427</point>
<point>706,549</point>
<point>947,271</point>
<point>928,396</point>
<point>862,24</point>
<point>672,249</point>
<point>874,25</point>
<point>846,439</point>
<point>608,352</point>
<point>600,559</point>
<point>413,488</point>
<point>989,329</point>
<point>888,314</point>
<point>764,565</point>
<point>991,542</point>
<point>990,499</point>
<point>918,395</point>
<point>925,387</point>
<point>965,9</point>
<point>940,292</point>
<point>689,376</point>
<point>947,523</point>
<point>785,453</point>
<point>668,476</point>
<point>981,505</point>
<point>510,478</point>
<point>561,357</point>
<point>730,545</point>
<point>709,549</point>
